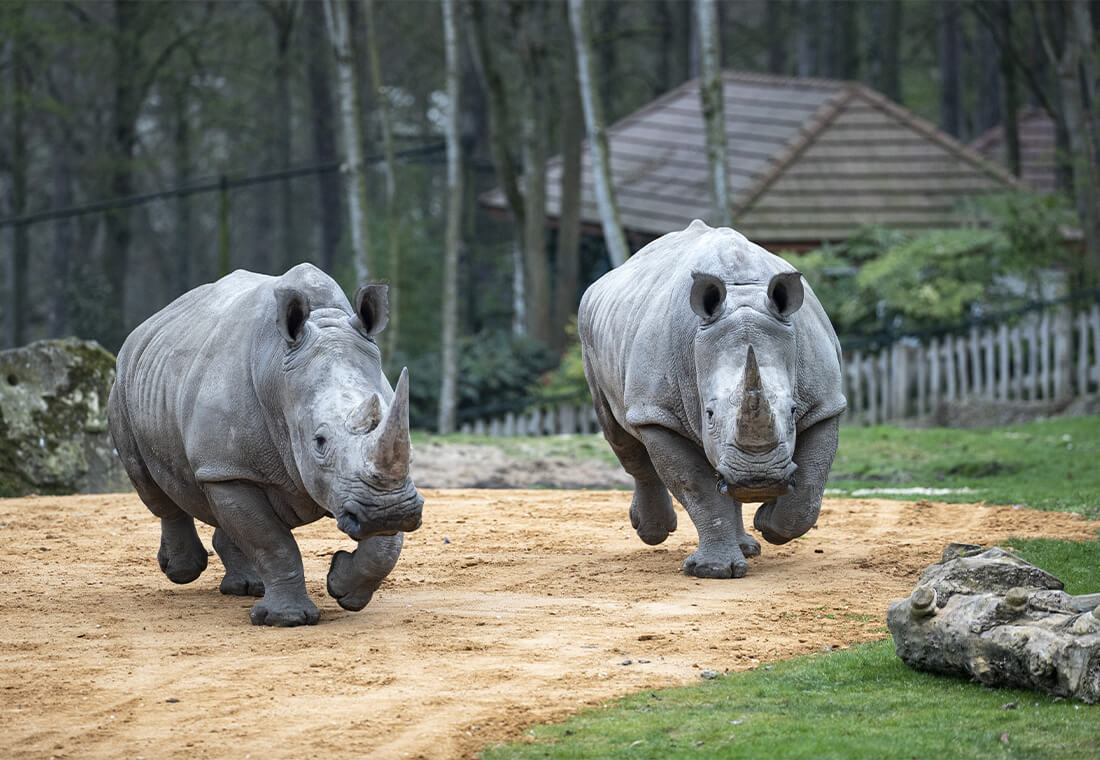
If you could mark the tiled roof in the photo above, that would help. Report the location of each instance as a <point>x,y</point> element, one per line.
<point>1037,146</point>
<point>809,160</point>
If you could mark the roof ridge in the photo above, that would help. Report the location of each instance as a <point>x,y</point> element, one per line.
<point>815,125</point>
<point>996,132</point>
<point>787,80</point>
<point>935,134</point>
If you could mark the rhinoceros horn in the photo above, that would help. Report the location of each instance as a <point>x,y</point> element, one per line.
<point>755,426</point>
<point>391,454</point>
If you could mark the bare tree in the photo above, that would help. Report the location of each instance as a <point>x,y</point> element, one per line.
<point>283,14</point>
<point>569,215</point>
<point>614,239</point>
<point>322,136</point>
<point>389,172</point>
<point>336,17</point>
<point>19,73</point>
<point>714,112</point>
<point>951,116</point>
<point>454,224</point>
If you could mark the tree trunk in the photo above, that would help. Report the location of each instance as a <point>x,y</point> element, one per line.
<point>614,239</point>
<point>454,224</point>
<point>884,47</point>
<point>64,239</point>
<point>283,13</point>
<point>1009,101</point>
<point>807,38</point>
<point>17,298</point>
<point>323,138</point>
<point>775,21</point>
<point>950,69</point>
<point>182,159</point>
<point>389,172</point>
<point>569,216</point>
<point>714,113</point>
<point>674,64</point>
<point>842,41</point>
<point>608,24</point>
<point>336,16</point>
<point>986,83</point>
<point>124,114</point>
<point>1077,81</point>
<point>495,94</point>
<point>530,21</point>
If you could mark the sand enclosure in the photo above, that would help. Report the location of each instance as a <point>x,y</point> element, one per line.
<point>507,608</point>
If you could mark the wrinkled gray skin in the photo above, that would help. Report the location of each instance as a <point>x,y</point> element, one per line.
<point>257,404</point>
<point>715,374</point>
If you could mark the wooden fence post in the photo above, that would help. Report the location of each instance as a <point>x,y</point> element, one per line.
<point>1063,340</point>
<point>1002,355</point>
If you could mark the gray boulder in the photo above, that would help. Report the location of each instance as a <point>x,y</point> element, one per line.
<point>1002,621</point>
<point>53,420</point>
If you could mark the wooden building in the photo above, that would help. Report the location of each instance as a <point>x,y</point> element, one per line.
<point>810,161</point>
<point>1037,148</point>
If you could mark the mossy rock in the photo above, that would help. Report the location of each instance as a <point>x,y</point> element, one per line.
<point>53,420</point>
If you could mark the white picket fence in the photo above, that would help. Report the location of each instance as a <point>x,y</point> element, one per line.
<point>1048,356</point>
<point>548,419</point>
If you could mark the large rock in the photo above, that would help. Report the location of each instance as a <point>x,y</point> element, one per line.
<point>53,420</point>
<point>1002,621</point>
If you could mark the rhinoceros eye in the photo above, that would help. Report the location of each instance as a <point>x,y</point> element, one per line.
<point>320,443</point>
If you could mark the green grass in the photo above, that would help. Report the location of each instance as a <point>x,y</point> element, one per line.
<point>1049,465</point>
<point>859,703</point>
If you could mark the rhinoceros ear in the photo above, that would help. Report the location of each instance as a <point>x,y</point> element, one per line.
<point>291,312</point>
<point>708,293</point>
<point>372,306</point>
<point>785,293</point>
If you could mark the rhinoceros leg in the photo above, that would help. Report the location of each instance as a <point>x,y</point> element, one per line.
<point>684,469</point>
<point>792,514</point>
<point>651,512</point>
<point>181,555</point>
<point>353,577</point>
<point>244,513</point>
<point>241,578</point>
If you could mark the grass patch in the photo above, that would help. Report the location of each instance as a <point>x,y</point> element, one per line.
<point>1047,465</point>
<point>859,703</point>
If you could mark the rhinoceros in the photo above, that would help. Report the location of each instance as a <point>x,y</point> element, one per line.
<point>257,404</point>
<point>716,375</point>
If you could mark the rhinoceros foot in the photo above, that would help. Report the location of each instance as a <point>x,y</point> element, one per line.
<point>652,515</point>
<point>181,556</point>
<point>347,585</point>
<point>237,584</point>
<point>284,612</point>
<point>714,564</point>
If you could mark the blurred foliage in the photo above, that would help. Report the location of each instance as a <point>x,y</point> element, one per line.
<point>494,368</point>
<point>567,379</point>
<point>882,280</point>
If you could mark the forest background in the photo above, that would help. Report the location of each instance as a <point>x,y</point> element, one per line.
<point>149,147</point>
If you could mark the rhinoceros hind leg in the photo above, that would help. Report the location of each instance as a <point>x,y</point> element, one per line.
<point>181,556</point>
<point>241,578</point>
<point>651,512</point>
<point>353,577</point>
<point>244,513</point>
<point>685,471</point>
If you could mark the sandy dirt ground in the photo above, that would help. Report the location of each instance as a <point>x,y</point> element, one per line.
<point>508,608</point>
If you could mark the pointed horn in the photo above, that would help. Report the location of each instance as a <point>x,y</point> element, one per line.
<point>391,456</point>
<point>755,423</point>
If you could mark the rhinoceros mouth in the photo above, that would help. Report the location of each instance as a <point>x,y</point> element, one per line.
<point>758,487</point>
<point>363,519</point>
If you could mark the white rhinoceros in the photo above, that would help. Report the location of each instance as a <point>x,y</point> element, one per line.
<point>257,404</point>
<point>715,375</point>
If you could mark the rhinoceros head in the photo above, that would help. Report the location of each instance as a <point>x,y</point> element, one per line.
<point>348,430</point>
<point>745,364</point>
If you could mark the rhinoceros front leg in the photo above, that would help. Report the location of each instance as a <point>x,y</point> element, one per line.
<point>250,523</point>
<point>685,471</point>
<point>792,514</point>
<point>353,577</point>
